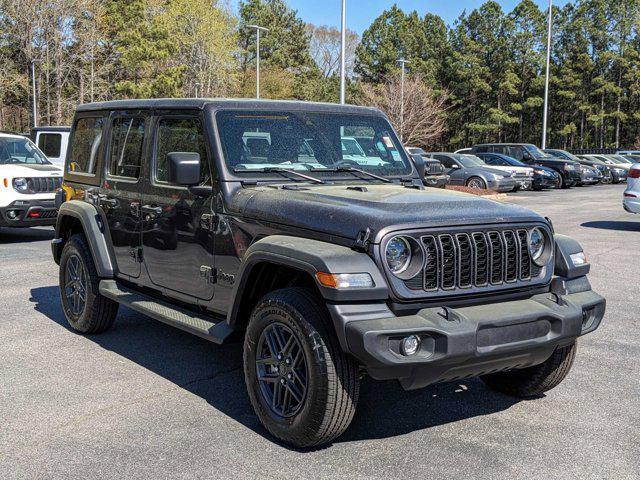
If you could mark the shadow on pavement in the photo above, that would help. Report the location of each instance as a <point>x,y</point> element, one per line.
<point>214,373</point>
<point>21,235</point>
<point>613,225</point>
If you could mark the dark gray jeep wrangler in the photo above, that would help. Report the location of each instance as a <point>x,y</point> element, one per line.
<point>253,220</point>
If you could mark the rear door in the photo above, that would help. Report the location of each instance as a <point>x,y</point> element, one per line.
<point>177,236</point>
<point>120,195</point>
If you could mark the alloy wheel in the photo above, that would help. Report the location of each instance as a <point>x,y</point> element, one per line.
<point>75,285</point>
<point>281,370</point>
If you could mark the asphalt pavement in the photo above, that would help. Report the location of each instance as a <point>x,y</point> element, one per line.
<point>147,401</point>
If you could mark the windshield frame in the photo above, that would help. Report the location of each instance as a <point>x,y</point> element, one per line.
<point>27,141</point>
<point>226,173</point>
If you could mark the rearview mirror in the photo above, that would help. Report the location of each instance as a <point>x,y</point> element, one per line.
<point>421,167</point>
<point>183,168</point>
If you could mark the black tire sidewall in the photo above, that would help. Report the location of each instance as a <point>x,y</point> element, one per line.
<point>310,416</point>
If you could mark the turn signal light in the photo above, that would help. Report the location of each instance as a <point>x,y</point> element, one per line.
<point>634,173</point>
<point>345,280</point>
<point>6,182</point>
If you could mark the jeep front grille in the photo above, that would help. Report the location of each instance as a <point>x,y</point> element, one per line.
<point>434,168</point>
<point>43,184</point>
<point>475,260</point>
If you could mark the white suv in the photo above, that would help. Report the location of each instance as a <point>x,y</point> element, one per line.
<point>28,184</point>
<point>631,198</point>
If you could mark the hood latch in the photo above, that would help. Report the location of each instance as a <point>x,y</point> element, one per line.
<point>363,239</point>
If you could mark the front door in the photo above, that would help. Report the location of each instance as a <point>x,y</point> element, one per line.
<point>120,194</point>
<point>177,238</point>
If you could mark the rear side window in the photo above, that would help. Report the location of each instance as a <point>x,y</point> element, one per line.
<point>87,136</point>
<point>125,147</point>
<point>50,144</point>
<point>180,135</point>
<point>446,161</point>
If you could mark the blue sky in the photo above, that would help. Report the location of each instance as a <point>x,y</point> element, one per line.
<point>360,13</point>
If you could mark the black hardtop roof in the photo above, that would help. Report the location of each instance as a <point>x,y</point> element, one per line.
<point>504,143</point>
<point>51,129</point>
<point>223,103</point>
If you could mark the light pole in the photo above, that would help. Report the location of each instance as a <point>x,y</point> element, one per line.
<point>546,79</point>
<point>197,88</point>
<point>35,103</point>
<point>258,30</point>
<point>343,48</point>
<point>402,63</point>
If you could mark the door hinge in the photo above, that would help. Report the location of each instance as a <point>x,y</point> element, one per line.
<point>209,221</point>
<point>136,254</point>
<point>210,274</point>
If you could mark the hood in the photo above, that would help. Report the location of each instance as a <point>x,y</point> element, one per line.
<point>345,210</point>
<point>30,170</point>
<point>555,160</point>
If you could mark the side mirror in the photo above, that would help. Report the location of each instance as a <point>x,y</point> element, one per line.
<point>183,168</point>
<point>421,167</point>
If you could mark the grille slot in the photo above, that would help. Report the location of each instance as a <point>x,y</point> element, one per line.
<point>43,184</point>
<point>480,260</point>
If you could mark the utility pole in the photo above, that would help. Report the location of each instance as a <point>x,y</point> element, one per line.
<point>33,84</point>
<point>402,63</point>
<point>258,29</point>
<point>546,79</point>
<point>343,48</point>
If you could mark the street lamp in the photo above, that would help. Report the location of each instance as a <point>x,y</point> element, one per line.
<point>546,79</point>
<point>33,84</point>
<point>258,30</point>
<point>402,63</point>
<point>343,48</point>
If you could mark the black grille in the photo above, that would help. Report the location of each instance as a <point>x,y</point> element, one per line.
<point>43,184</point>
<point>476,259</point>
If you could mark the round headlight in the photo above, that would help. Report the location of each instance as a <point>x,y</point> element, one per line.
<point>20,184</point>
<point>537,244</point>
<point>398,254</point>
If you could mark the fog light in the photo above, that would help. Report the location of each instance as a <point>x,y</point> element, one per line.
<point>410,345</point>
<point>12,214</point>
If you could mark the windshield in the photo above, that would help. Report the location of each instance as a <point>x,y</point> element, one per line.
<point>567,155</point>
<point>535,151</point>
<point>620,159</point>
<point>470,161</point>
<point>310,141</point>
<point>15,150</point>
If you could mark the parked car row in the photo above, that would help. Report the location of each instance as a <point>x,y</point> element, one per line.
<point>508,167</point>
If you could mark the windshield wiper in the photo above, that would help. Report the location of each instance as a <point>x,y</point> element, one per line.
<point>352,170</point>
<point>279,170</point>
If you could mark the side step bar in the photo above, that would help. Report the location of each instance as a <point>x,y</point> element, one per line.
<point>192,322</point>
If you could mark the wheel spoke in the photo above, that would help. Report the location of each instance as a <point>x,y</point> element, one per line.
<point>268,378</point>
<point>271,343</point>
<point>297,394</point>
<point>267,361</point>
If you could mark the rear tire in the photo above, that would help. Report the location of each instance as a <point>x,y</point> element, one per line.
<point>86,310</point>
<point>532,381</point>
<point>330,378</point>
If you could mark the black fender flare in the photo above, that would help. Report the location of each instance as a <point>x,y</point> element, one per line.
<point>310,256</point>
<point>94,230</point>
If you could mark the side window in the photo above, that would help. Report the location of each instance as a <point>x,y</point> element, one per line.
<point>50,144</point>
<point>515,152</point>
<point>87,136</point>
<point>125,147</point>
<point>180,135</point>
<point>446,161</point>
<point>490,160</point>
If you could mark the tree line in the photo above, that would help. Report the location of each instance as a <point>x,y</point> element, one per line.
<point>480,79</point>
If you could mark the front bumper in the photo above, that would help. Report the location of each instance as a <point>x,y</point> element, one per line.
<point>544,181</point>
<point>29,213</point>
<point>470,341</point>
<point>507,184</point>
<point>572,177</point>
<point>436,181</point>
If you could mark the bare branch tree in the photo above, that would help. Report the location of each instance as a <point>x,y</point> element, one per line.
<point>324,47</point>
<point>424,108</point>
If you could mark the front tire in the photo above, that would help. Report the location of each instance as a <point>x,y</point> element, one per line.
<point>86,310</point>
<point>533,381</point>
<point>302,386</point>
<point>477,182</point>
